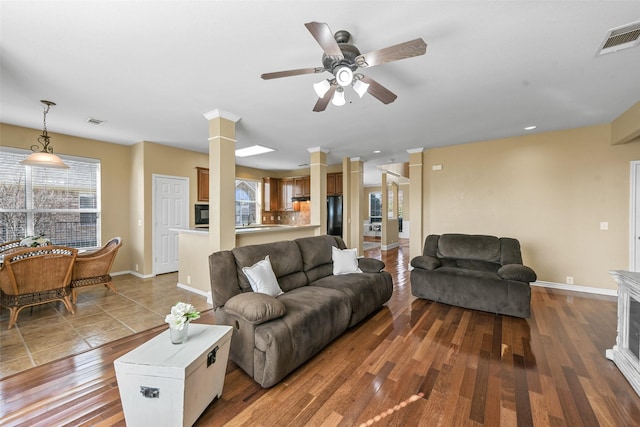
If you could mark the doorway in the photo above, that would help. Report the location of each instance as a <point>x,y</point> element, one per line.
<point>170,212</point>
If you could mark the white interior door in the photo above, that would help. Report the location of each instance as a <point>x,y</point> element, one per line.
<point>170,211</point>
<point>634,226</point>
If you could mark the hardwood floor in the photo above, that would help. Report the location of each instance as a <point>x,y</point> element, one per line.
<point>413,363</point>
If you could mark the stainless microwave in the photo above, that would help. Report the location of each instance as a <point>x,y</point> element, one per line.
<point>202,214</point>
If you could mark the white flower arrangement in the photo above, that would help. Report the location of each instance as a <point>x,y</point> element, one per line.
<point>181,313</point>
<point>35,241</point>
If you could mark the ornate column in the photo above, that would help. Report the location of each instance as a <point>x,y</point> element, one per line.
<point>416,202</point>
<point>318,172</point>
<point>222,179</point>
<point>357,205</point>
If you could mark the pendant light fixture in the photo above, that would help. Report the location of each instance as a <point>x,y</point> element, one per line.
<point>44,157</point>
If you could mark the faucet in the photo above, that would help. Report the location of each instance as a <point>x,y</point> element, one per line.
<point>249,218</point>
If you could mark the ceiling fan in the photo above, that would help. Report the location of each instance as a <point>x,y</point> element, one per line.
<point>343,59</point>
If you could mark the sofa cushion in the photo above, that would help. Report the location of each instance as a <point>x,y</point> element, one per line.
<point>256,308</point>
<point>518,272</point>
<point>315,317</point>
<point>316,255</point>
<point>345,261</point>
<point>474,247</point>
<point>285,258</point>
<point>366,291</point>
<point>262,278</point>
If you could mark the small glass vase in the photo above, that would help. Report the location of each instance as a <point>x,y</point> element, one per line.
<point>179,336</point>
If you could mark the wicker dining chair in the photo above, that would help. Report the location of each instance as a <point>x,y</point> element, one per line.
<point>12,244</point>
<point>35,276</point>
<point>93,268</point>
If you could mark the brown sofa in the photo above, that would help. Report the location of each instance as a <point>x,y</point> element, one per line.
<point>274,335</point>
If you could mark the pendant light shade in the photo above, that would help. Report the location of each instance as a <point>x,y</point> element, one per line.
<point>360,87</point>
<point>321,88</point>
<point>44,160</point>
<point>338,98</point>
<point>44,157</point>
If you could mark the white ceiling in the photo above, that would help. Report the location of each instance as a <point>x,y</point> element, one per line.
<point>151,69</point>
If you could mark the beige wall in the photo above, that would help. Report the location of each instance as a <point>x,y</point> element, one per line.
<point>116,178</point>
<point>127,173</point>
<point>548,190</point>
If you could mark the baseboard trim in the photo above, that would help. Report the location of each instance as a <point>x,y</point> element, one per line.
<point>134,273</point>
<point>576,288</point>
<point>391,246</point>
<point>200,292</point>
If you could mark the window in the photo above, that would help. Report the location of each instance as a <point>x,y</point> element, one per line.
<point>61,204</point>
<point>375,206</point>
<point>247,201</point>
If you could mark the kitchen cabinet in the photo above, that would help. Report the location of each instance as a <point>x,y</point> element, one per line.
<point>334,184</point>
<point>203,184</point>
<point>306,185</point>
<point>271,194</point>
<point>286,193</point>
<point>302,186</point>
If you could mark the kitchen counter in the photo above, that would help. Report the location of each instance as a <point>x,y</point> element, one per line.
<point>193,270</point>
<point>253,228</point>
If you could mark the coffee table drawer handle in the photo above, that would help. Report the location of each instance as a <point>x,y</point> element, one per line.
<point>149,392</point>
<point>211,357</point>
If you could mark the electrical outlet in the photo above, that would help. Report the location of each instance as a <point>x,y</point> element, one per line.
<point>569,280</point>
<point>604,225</point>
<point>136,267</point>
<point>188,280</point>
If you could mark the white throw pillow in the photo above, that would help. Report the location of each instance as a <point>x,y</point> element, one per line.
<point>262,278</point>
<point>345,261</point>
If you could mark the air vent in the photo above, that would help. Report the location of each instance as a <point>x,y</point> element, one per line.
<point>95,122</point>
<point>620,38</point>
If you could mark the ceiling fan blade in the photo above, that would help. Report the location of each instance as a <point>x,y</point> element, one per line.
<point>322,103</point>
<point>322,33</point>
<point>404,50</point>
<point>377,90</point>
<point>289,73</point>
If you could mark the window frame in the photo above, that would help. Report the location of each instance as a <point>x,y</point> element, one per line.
<point>30,212</point>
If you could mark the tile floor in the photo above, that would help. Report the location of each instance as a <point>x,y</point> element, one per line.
<point>50,332</point>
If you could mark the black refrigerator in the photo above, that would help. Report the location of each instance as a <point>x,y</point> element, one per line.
<point>334,215</point>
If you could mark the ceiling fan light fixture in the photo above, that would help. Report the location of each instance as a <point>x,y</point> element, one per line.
<point>344,76</point>
<point>360,87</point>
<point>44,157</point>
<point>321,88</point>
<point>338,98</point>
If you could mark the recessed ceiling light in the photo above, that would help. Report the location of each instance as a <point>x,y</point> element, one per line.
<point>254,150</point>
<point>530,127</point>
<point>376,151</point>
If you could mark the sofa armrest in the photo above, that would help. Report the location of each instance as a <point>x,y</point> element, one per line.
<point>518,272</point>
<point>425,262</point>
<point>370,265</point>
<point>255,308</point>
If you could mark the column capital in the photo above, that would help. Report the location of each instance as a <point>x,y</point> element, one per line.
<point>415,150</point>
<point>214,114</point>
<point>318,149</point>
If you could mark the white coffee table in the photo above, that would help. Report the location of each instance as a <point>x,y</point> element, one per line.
<point>165,384</point>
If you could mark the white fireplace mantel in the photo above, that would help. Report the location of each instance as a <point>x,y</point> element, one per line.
<point>626,353</point>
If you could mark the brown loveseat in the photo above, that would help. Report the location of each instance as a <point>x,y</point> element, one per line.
<point>274,335</point>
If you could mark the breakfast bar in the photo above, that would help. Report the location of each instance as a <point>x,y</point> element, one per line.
<point>193,247</point>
